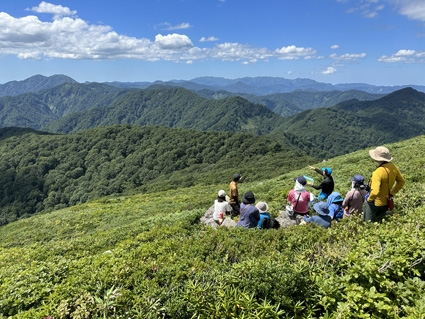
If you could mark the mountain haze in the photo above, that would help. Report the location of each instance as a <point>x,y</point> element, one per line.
<point>264,85</point>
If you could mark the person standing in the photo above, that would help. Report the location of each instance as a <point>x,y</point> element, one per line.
<point>234,194</point>
<point>327,186</point>
<point>386,182</point>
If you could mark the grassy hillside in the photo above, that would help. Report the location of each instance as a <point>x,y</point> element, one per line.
<point>146,256</point>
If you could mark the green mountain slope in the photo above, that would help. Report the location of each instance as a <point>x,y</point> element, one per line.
<point>287,104</point>
<point>74,97</point>
<point>36,110</point>
<point>353,125</point>
<point>33,84</point>
<point>26,110</point>
<point>44,171</point>
<point>174,107</point>
<point>146,256</point>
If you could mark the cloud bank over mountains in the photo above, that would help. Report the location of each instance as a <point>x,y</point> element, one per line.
<point>69,37</point>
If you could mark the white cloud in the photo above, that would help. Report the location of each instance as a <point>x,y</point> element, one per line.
<point>209,39</point>
<point>69,37</point>
<point>348,57</point>
<point>329,70</point>
<point>413,9</point>
<point>292,52</point>
<point>405,56</point>
<point>335,46</point>
<point>173,41</point>
<point>56,10</point>
<point>169,27</point>
<point>367,8</point>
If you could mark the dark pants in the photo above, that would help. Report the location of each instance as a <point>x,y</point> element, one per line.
<point>236,209</point>
<point>374,213</point>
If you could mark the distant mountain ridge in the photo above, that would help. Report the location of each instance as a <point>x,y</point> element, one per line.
<point>267,85</point>
<point>33,84</point>
<point>261,85</point>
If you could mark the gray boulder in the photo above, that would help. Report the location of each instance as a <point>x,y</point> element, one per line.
<point>207,219</point>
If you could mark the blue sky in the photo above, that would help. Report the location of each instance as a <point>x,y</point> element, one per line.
<point>379,42</point>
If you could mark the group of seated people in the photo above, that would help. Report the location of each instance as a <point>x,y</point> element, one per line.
<point>250,216</point>
<point>328,205</point>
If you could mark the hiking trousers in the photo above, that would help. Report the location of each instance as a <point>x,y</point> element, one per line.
<point>373,213</point>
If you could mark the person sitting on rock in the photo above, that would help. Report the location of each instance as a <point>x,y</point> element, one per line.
<point>249,215</point>
<point>221,207</point>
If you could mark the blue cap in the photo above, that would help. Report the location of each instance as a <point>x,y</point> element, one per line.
<point>327,170</point>
<point>359,179</point>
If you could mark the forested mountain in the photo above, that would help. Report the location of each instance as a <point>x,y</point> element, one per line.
<point>73,97</point>
<point>323,132</point>
<point>33,84</point>
<point>42,171</point>
<point>353,125</point>
<point>174,107</point>
<point>25,110</point>
<point>287,104</point>
<point>38,109</point>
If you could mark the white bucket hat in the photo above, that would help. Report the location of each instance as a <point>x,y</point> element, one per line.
<point>380,154</point>
<point>262,207</point>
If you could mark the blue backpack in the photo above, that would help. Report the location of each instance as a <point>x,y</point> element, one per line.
<point>339,213</point>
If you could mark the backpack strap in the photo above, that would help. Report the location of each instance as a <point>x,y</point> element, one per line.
<point>297,201</point>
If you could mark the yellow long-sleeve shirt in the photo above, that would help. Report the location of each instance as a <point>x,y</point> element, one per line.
<point>382,182</point>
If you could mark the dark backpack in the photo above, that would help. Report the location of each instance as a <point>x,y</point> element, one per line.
<point>270,223</point>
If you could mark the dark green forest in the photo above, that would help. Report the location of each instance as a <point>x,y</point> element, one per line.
<point>173,107</point>
<point>354,125</point>
<point>43,171</point>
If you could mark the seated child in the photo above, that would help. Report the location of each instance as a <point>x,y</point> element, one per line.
<point>263,209</point>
